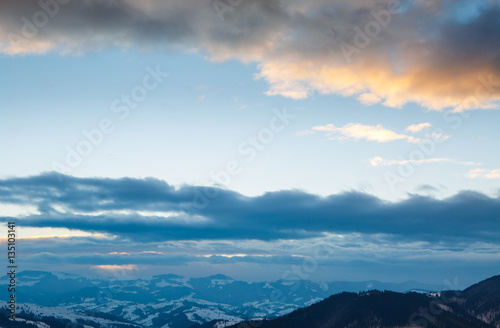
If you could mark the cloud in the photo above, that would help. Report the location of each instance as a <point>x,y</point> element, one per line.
<point>128,267</point>
<point>437,137</point>
<point>132,262</point>
<point>369,99</point>
<point>359,131</point>
<point>111,206</point>
<point>421,51</point>
<point>484,173</point>
<point>426,188</point>
<point>379,161</point>
<point>414,128</point>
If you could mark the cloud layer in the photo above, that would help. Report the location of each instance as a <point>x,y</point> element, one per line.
<point>433,53</point>
<point>153,210</point>
<point>151,227</point>
<point>414,128</point>
<point>358,131</point>
<point>484,173</point>
<point>379,161</point>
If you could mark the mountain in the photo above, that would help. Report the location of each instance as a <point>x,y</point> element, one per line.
<point>33,316</point>
<point>482,300</point>
<point>174,300</point>
<point>476,307</point>
<point>373,309</point>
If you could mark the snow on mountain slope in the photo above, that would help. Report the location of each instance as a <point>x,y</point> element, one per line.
<point>169,300</point>
<point>35,313</point>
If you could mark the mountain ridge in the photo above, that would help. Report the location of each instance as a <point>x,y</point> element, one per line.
<point>179,302</point>
<point>477,306</point>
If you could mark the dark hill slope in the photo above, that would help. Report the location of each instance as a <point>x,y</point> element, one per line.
<point>375,309</point>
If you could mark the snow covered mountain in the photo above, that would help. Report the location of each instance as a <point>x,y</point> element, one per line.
<point>171,301</point>
<point>475,307</point>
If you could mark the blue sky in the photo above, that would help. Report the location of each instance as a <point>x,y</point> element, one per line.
<point>267,113</point>
<point>193,123</point>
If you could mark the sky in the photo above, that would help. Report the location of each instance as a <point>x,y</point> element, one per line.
<point>343,140</point>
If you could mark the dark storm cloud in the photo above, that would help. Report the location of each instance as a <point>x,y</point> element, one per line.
<point>434,52</point>
<point>116,206</point>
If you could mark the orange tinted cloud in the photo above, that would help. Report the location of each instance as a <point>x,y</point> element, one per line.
<point>433,53</point>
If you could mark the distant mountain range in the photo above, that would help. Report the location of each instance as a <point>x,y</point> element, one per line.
<point>476,307</point>
<point>170,301</point>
